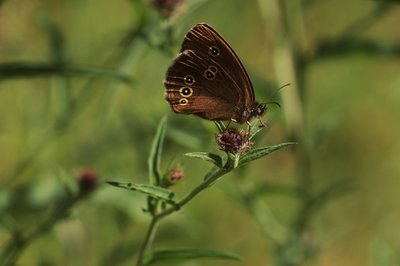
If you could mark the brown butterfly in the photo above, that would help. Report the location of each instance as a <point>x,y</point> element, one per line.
<point>207,79</point>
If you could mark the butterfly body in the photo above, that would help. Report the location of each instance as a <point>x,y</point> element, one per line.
<point>207,79</point>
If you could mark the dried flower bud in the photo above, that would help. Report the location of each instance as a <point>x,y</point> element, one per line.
<point>175,174</point>
<point>234,141</point>
<point>166,8</point>
<point>87,181</point>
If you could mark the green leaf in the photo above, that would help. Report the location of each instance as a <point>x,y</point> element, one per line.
<point>207,156</point>
<point>153,191</point>
<point>261,152</point>
<point>188,254</point>
<point>255,128</point>
<point>155,153</point>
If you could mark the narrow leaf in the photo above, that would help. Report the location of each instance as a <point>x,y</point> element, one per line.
<point>154,191</point>
<point>254,130</point>
<point>163,255</point>
<point>220,125</point>
<point>261,152</point>
<point>207,156</point>
<point>155,153</point>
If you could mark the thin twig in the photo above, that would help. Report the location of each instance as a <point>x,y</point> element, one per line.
<point>147,240</point>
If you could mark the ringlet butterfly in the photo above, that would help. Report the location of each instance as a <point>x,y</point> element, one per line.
<point>207,79</point>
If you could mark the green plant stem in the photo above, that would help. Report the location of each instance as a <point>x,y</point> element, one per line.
<point>151,231</point>
<point>27,69</point>
<point>207,183</point>
<point>229,166</point>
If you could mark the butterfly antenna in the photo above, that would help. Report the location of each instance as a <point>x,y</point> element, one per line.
<point>283,86</point>
<point>275,103</point>
<point>278,89</point>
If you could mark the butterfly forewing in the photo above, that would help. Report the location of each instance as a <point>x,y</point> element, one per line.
<point>206,101</point>
<point>207,78</point>
<point>204,38</point>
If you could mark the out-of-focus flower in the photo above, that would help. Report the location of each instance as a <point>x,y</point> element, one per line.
<point>234,141</point>
<point>173,175</point>
<point>167,8</point>
<point>87,180</point>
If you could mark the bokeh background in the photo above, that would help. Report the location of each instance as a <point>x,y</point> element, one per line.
<point>81,88</point>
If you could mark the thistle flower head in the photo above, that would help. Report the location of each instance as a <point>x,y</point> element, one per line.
<point>234,141</point>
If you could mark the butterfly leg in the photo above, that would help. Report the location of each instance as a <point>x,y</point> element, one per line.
<point>248,132</point>
<point>232,120</point>
<point>262,123</point>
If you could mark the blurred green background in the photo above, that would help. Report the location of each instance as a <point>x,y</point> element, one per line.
<point>67,103</point>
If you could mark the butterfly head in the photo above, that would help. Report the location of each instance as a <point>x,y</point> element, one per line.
<point>245,114</point>
<point>258,110</point>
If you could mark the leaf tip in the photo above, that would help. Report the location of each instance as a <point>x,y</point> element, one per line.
<point>112,183</point>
